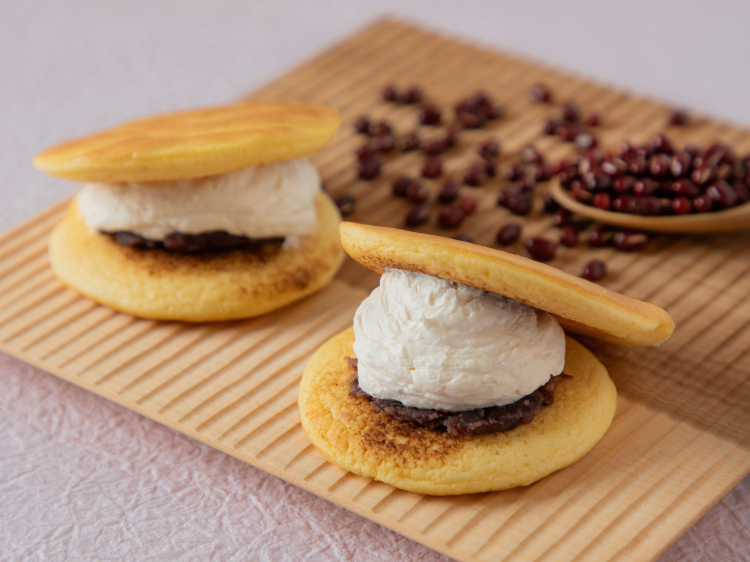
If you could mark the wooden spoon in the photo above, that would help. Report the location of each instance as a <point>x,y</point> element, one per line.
<point>735,218</point>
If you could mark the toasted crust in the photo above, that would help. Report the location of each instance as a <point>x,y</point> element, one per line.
<point>350,434</point>
<point>195,143</point>
<point>580,306</point>
<point>194,288</point>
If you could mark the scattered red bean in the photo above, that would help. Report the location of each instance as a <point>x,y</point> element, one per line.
<point>678,117</point>
<point>401,185</point>
<point>681,164</point>
<point>508,234</point>
<point>662,144</point>
<point>434,146</point>
<point>411,96</point>
<point>475,111</point>
<point>379,128</point>
<point>542,172</point>
<point>644,186</point>
<point>365,152</point>
<point>594,270</point>
<point>550,205</point>
<point>488,166</point>
<point>383,143</point>
<point>648,206</point>
<point>628,241</point>
<point>418,215</point>
<point>417,192</point>
<point>722,194</point>
<point>568,132</point>
<point>432,167</point>
<point>614,166</point>
<point>682,206</point>
<point>539,93</point>
<point>659,165</point>
<point>448,192</point>
<point>520,203</point>
<point>346,204</point>
<point>474,176</point>
<point>429,115</point>
<point>451,137</point>
<point>624,204</point>
<point>409,142</point>
<point>625,184</point>
<point>684,187</point>
<point>467,204</point>
<point>531,155</point>
<point>569,237</point>
<point>585,141</point>
<point>541,249</point>
<point>602,201</point>
<point>703,175</point>
<point>389,93</point>
<point>702,204</point>
<point>489,149</point>
<point>550,127</point>
<point>593,120</point>
<point>369,168</point>
<point>571,113</point>
<point>599,236</point>
<point>560,217</point>
<point>451,217</point>
<point>742,192</point>
<point>512,173</point>
<point>362,125</point>
<point>557,167</point>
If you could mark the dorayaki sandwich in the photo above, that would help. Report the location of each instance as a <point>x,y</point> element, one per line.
<point>203,215</point>
<point>457,375</point>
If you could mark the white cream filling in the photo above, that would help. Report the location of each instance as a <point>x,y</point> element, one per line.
<point>430,343</point>
<point>272,200</point>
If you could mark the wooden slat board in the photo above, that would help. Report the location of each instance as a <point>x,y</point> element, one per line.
<point>680,438</point>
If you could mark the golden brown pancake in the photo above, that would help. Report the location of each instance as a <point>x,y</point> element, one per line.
<point>195,143</point>
<point>350,434</point>
<point>195,288</point>
<point>579,305</point>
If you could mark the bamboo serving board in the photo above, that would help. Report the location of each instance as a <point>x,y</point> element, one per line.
<point>679,440</point>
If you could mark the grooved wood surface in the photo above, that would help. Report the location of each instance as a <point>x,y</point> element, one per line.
<point>679,440</point>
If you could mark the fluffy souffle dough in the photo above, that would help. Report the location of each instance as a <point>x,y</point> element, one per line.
<point>273,200</point>
<point>431,343</point>
<point>194,288</point>
<point>350,434</point>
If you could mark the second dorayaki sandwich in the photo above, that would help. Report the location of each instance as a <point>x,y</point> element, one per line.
<point>202,215</point>
<point>457,376</point>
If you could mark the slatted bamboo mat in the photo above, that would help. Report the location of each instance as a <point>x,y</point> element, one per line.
<point>680,437</point>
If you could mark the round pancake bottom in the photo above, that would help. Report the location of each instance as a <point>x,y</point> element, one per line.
<point>350,434</point>
<point>194,288</point>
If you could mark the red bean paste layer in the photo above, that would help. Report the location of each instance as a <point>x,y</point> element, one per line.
<point>469,422</point>
<point>180,243</point>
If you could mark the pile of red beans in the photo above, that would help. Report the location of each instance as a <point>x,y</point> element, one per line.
<point>657,178</point>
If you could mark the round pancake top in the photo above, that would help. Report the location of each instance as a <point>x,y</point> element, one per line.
<point>194,143</point>
<point>579,305</point>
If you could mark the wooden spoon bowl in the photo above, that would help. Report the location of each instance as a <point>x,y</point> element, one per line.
<point>728,220</point>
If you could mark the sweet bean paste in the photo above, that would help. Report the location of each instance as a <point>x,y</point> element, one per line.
<point>193,243</point>
<point>469,422</point>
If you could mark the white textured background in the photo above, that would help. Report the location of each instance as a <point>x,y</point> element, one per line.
<point>81,478</point>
